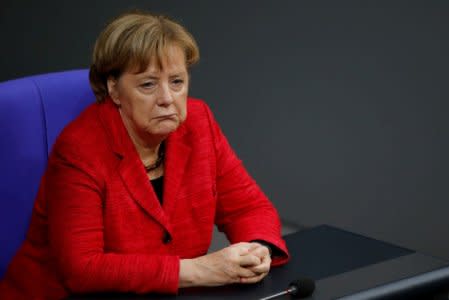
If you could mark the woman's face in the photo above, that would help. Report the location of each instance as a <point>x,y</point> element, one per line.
<point>153,103</point>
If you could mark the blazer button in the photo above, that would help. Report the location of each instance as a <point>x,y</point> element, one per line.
<point>167,238</point>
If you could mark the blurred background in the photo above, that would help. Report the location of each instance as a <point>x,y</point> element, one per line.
<point>338,109</point>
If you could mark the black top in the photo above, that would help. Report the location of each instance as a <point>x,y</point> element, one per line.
<point>158,185</point>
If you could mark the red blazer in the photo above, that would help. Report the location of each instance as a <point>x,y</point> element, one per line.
<point>97,224</point>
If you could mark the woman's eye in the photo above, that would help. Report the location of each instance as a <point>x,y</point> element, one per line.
<point>147,85</point>
<point>178,81</point>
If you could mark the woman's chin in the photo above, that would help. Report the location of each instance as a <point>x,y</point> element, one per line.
<point>166,129</point>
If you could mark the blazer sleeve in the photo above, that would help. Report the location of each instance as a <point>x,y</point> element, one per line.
<point>244,213</point>
<point>74,196</point>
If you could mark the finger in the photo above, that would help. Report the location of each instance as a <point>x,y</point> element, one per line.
<point>255,245</point>
<point>254,279</point>
<point>266,259</point>
<point>243,245</point>
<point>260,251</point>
<point>249,260</point>
<point>264,266</point>
<point>245,272</point>
<point>242,248</point>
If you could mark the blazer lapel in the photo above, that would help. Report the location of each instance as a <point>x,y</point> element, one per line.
<point>177,155</point>
<point>138,185</point>
<point>130,168</point>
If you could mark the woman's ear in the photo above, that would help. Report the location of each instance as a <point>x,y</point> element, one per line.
<point>112,90</point>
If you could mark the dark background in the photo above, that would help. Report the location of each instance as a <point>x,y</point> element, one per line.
<point>339,109</point>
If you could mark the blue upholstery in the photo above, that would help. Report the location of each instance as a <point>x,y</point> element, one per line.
<point>33,111</point>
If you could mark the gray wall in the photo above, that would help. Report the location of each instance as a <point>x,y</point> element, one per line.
<point>337,108</point>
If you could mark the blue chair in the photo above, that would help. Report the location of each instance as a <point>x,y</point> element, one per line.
<point>33,111</point>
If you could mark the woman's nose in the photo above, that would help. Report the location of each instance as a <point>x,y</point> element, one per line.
<point>165,95</point>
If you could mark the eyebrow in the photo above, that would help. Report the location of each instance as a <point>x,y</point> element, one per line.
<point>148,77</point>
<point>151,76</point>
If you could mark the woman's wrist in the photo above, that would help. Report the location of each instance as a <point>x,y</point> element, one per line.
<point>187,273</point>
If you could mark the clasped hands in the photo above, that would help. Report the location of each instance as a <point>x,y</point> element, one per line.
<point>237,263</point>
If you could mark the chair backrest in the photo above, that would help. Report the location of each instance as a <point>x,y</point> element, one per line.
<point>33,111</point>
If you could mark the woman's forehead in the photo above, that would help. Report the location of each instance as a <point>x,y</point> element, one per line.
<point>171,58</point>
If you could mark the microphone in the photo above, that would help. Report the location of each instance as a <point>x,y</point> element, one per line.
<point>300,288</point>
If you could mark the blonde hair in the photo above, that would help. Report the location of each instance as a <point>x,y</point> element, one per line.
<point>131,41</point>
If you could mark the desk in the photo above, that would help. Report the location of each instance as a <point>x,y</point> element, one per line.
<point>341,262</point>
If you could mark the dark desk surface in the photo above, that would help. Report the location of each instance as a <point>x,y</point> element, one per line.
<point>327,255</point>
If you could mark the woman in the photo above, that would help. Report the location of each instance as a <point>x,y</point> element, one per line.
<point>135,184</point>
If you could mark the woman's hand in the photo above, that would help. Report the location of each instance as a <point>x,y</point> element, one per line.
<point>263,268</point>
<point>238,263</point>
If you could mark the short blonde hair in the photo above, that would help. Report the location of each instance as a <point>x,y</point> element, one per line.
<point>131,41</point>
